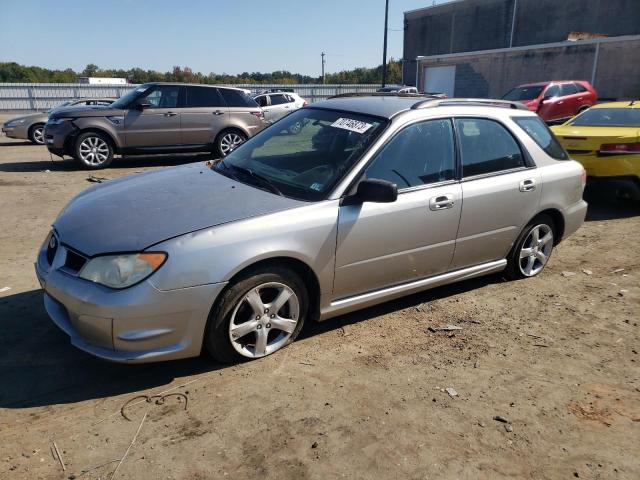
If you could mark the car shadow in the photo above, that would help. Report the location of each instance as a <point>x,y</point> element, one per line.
<point>399,304</point>
<point>603,205</point>
<point>15,144</point>
<point>69,164</point>
<point>40,367</point>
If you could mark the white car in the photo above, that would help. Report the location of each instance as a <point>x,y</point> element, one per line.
<point>276,105</point>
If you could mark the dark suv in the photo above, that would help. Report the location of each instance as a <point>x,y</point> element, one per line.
<point>156,118</point>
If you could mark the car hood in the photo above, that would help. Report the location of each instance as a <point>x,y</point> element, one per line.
<point>135,212</point>
<point>30,118</point>
<point>85,111</point>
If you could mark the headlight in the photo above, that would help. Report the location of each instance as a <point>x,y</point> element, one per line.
<point>58,121</point>
<point>14,123</point>
<point>122,271</point>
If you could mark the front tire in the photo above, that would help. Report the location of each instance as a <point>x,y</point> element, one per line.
<point>227,141</point>
<point>93,150</point>
<point>259,314</point>
<point>532,250</point>
<point>36,134</point>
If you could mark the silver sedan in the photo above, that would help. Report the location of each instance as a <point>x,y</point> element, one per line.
<point>31,127</point>
<point>374,198</point>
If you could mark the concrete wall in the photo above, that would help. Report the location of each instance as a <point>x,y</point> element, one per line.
<point>473,25</point>
<point>492,74</point>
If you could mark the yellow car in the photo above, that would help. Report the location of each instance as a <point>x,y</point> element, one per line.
<point>606,140</point>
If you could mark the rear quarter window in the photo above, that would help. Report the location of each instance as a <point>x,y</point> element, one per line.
<point>540,133</point>
<point>237,98</point>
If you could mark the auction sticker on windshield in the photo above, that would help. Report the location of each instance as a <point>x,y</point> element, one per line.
<point>352,125</point>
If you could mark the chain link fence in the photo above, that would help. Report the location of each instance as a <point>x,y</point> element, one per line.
<point>43,96</point>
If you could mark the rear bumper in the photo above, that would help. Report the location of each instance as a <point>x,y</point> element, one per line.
<point>574,217</point>
<point>628,184</point>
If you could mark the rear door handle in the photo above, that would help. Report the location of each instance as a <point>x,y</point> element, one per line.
<point>528,185</point>
<point>170,114</point>
<point>218,112</point>
<point>441,202</point>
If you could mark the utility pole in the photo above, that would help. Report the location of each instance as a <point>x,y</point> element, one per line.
<point>322,55</point>
<point>384,48</point>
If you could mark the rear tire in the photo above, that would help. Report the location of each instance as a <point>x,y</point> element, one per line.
<point>93,150</point>
<point>241,317</point>
<point>532,250</point>
<point>36,134</point>
<point>227,141</point>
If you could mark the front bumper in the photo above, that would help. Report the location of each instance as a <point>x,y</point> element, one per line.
<point>58,138</point>
<point>18,131</point>
<point>139,324</point>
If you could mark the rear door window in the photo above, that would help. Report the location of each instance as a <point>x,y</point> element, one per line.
<point>486,147</point>
<point>203,97</point>
<point>541,134</point>
<point>237,98</point>
<point>567,89</point>
<point>279,99</point>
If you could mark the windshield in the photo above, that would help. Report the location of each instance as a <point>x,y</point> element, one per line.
<point>524,93</point>
<point>608,117</point>
<point>131,95</point>
<point>303,155</point>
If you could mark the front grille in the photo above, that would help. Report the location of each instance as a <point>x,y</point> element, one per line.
<point>74,262</point>
<point>52,248</point>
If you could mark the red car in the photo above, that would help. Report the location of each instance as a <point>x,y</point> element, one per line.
<point>555,100</point>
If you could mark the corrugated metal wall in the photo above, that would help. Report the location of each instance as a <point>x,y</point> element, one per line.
<point>43,96</point>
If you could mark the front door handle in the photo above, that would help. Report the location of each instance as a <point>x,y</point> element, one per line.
<point>218,112</point>
<point>528,185</point>
<point>441,202</point>
<point>170,114</point>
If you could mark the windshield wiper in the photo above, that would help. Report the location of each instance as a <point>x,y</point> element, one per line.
<point>262,180</point>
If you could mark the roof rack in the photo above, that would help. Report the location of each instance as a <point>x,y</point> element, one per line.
<point>387,94</point>
<point>478,102</point>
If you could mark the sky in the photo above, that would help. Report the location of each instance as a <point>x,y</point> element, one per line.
<point>221,36</point>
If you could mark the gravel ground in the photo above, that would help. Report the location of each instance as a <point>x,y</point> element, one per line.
<point>360,396</point>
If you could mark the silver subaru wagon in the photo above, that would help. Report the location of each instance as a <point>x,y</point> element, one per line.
<point>373,197</point>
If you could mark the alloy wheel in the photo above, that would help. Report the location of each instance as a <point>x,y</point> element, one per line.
<point>264,320</point>
<point>536,250</point>
<point>94,151</point>
<point>230,142</point>
<point>38,135</point>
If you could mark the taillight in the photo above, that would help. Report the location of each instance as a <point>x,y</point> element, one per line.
<point>260,115</point>
<point>583,178</point>
<point>620,148</point>
<point>305,103</point>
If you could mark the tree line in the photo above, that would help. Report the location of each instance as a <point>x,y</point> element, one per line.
<point>15,73</point>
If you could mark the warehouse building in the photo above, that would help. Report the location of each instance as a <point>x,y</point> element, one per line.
<point>483,48</point>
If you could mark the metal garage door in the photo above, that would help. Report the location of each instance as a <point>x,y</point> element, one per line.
<point>440,79</point>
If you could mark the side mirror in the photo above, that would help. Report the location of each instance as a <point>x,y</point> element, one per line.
<point>373,190</point>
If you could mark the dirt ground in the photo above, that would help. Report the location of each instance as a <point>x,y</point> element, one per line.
<point>359,396</point>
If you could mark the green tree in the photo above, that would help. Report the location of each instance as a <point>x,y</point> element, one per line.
<point>90,70</point>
